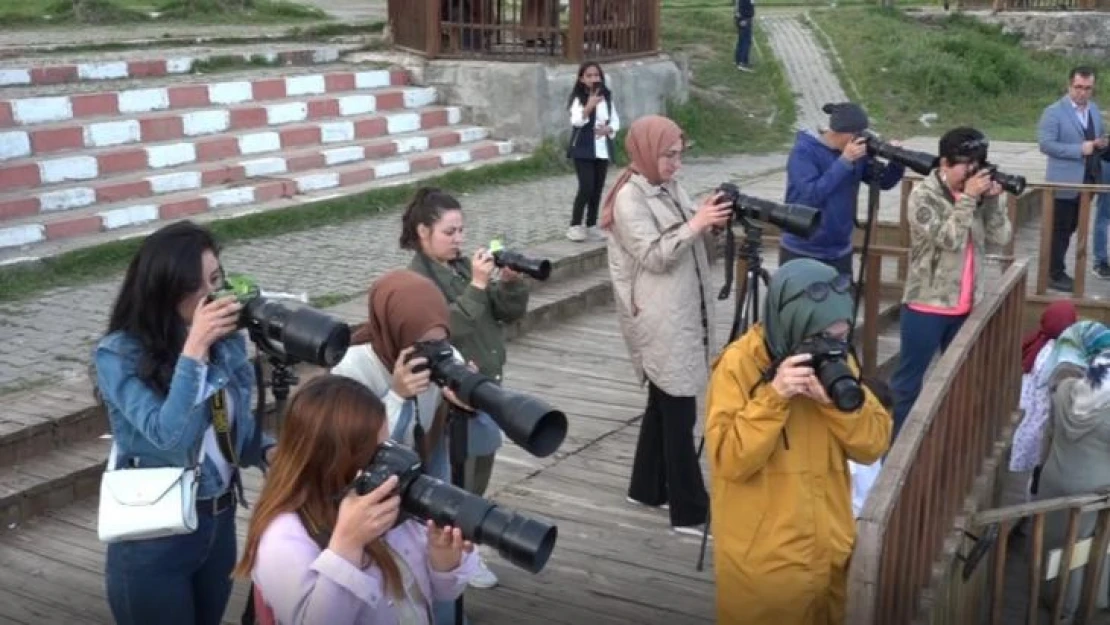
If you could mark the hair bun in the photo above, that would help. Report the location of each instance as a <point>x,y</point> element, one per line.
<point>829,108</point>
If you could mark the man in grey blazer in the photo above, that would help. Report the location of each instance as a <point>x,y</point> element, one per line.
<point>1072,136</point>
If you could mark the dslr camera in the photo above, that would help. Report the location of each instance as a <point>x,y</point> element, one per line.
<point>1010,183</point>
<point>300,333</point>
<point>529,422</point>
<point>830,364</point>
<point>920,162</point>
<point>796,219</point>
<point>525,542</point>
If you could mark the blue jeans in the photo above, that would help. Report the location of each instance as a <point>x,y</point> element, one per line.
<point>176,580</point>
<point>744,43</point>
<point>1102,224</point>
<point>923,335</point>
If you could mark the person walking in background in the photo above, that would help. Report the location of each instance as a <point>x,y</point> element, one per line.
<point>744,16</point>
<point>594,123</point>
<point>659,262</point>
<point>1071,135</point>
<point>824,171</point>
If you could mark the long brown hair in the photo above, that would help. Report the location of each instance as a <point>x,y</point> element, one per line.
<point>330,433</point>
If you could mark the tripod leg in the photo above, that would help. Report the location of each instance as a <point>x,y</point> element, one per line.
<point>704,542</point>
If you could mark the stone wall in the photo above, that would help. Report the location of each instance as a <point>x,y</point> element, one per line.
<point>1079,33</point>
<point>527,102</point>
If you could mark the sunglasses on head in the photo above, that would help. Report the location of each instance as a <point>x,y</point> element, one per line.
<point>819,291</point>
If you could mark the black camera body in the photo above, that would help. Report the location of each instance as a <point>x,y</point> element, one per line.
<point>525,542</point>
<point>1010,183</point>
<point>527,421</point>
<point>538,268</point>
<point>829,360</point>
<point>796,219</point>
<point>920,162</point>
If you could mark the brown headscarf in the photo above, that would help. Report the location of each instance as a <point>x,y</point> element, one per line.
<point>403,305</point>
<point>648,138</point>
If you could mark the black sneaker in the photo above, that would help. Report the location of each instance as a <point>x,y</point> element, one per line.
<point>1063,283</point>
<point>1102,270</point>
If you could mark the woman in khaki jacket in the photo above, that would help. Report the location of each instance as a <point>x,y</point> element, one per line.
<point>659,262</point>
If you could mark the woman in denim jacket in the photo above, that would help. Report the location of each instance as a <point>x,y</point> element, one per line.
<point>167,354</point>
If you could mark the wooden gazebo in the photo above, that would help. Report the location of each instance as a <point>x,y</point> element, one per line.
<point>526,30</point>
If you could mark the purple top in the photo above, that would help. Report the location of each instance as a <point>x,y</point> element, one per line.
<point>306,586</point>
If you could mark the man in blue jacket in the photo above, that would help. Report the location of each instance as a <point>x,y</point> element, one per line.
<point>743,13</point>
<point>824,171</point>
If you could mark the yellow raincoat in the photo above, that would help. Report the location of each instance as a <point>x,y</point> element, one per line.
<point>781,505</point>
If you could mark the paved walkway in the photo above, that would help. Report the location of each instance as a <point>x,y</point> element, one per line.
<point>807,67</point>
<point>49,337</point>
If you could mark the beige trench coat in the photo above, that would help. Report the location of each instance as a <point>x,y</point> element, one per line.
<point>655,260</point>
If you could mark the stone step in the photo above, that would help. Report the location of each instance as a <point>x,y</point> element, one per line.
<point>47,173</point>
<point>113,129</point>
<point>267,189</point>
<point>51,452</point>
<point>157,99</point>
<point>19,207</point>
<point>47,70</point>
<point>49,248</point>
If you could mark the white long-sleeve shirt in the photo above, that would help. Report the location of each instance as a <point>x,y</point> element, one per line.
<point>603,115</point>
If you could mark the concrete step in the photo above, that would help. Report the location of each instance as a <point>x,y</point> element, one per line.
<point>326,184</point>
<point>94,67</point>
<point>51,452</point>
<point>47,173</point>
<point>271,184</point>
<point>156,99</point>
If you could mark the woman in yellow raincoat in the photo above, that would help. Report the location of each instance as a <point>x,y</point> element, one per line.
<point>778,448</point>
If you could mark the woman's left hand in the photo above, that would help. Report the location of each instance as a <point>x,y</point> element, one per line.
<point>815,391</point>
<point>508,275</point>
<point>602,130</point>
<point>453,398</point>
<point>446,547</point>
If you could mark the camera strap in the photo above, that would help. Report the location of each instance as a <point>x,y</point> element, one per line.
<point>225,429</point>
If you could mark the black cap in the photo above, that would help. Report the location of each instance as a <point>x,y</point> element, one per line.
<point>846,117</point>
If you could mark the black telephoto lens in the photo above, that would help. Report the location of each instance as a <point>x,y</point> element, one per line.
<point>796,219</point>
<point>841,385</point>
<point>537,268</point>
<point>303,333</point>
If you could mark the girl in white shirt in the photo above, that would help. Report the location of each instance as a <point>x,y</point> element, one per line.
<point>594,124</point>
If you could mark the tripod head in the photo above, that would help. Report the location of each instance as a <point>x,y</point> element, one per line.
<point>750,251</point>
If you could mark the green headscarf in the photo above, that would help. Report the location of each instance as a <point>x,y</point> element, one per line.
<point>802,317</point>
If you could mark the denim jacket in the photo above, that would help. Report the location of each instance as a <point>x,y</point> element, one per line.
<point>152,430</point>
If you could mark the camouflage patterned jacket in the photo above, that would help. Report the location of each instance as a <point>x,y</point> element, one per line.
<point>939,226</point>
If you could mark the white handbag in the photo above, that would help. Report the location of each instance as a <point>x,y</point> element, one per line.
<point>137,504</point>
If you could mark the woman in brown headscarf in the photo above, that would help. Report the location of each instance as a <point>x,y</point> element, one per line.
<point>659,262</point>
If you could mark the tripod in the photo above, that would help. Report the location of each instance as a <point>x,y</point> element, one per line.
<point>874,170</point>
<point>749,268</point>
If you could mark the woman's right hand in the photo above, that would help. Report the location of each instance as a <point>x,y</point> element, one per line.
<point>794,376</point>
<point>592,102</point>
<point>363,519</point>
<point>481,266</point>
<point>978,184</point>
<point>211,322</point>
<point>406,382</point>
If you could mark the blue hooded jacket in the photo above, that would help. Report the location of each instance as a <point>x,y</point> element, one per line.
<point>816,176</point>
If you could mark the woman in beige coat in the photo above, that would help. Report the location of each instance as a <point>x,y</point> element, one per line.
<point>659,262</point>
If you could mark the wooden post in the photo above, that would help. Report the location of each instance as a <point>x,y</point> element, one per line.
<point>432,32</point>
<point>1047,209</point>
<point>576,31</point>
<point>656,24</point>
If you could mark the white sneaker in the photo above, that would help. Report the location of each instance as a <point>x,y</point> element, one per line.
<point>595,234</point>
<point>485,577</point>
<point>640,503</point>
<point>576,233</point>
<point>692,530</point>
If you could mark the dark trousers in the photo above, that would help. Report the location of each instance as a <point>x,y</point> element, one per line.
<point>665,469</point>
<point>591,180</point>
<point>1065,220</point>
<point>922,335</point>
<point>744,42</point>
<point>842,265</point>
<point>176,580</point>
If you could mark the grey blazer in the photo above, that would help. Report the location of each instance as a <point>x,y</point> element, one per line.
<point>1060,136</point>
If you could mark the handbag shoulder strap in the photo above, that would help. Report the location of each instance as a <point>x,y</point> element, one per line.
<point>113,457</point>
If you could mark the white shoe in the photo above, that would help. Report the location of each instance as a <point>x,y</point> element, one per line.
<point>576,233</point>
<point>594,233</point>
<point>485,577</point>
<point>662,506</point>
<point>692,530</point>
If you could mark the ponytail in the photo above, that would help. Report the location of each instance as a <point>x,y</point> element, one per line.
<point>425,209</point>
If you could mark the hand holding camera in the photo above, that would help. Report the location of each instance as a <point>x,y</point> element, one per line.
<point>212,320</point>
<point>446,547</point>
<point>855,150</point>
<point>795,377</point>
<point>481,264</point>
<point>410,375</point>
<point>362,519</point>
<point>713,212</point>
<point>979,184</point>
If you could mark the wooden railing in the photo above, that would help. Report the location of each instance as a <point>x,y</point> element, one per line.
<point>962,410</point>
<point>526,30</point>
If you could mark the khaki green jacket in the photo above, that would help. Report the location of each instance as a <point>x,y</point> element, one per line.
<point>939,228</point>
<point>477,315</point>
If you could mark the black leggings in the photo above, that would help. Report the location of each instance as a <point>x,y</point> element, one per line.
<point>591,180</point>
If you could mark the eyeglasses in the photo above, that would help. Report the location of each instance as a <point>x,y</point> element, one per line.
<point>819,291</point>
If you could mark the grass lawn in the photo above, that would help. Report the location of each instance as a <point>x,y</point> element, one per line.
<point>965,72</point>
<point>729,111</point>
<point>45,12</point>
